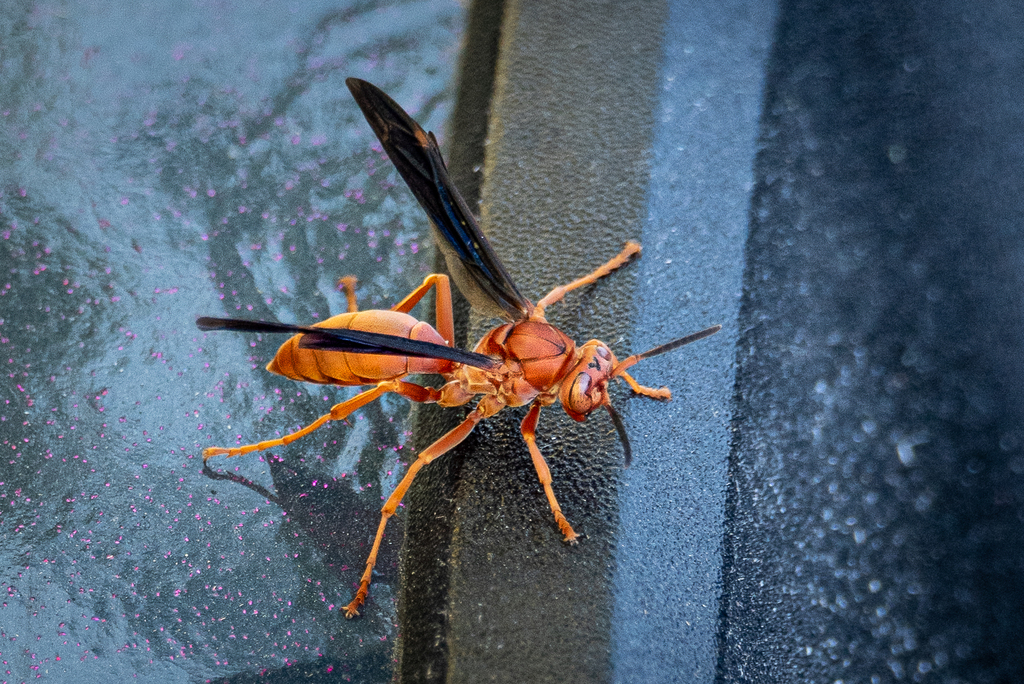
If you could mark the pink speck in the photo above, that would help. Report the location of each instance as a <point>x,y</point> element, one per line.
<point>296,139</point>
<point>179,51</point>
<point>124,201</point>
<point>211,192</point>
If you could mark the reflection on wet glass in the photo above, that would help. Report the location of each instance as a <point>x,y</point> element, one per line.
<point>180,161</point>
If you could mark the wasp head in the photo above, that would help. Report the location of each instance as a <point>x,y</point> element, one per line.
<point>585,387</point>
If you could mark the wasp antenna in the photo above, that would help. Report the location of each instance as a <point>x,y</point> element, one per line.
<point>667,347</point>
<point>623,437</point>
<point>682,341</point>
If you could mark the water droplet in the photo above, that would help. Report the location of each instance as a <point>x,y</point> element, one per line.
<point>905,446</point>
<point>897,154</point>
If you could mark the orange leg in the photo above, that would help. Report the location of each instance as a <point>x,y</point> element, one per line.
<point>665,394</point>
<point>529,430</point>
<point>348,286</point>
<point>438,448</point>
<point>338,412</point>
<point>444,319</point>
<point>619,261</point>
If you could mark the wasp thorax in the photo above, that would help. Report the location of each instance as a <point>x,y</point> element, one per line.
<point>585,387</point>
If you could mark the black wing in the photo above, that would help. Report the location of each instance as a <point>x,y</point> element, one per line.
<point>476,269</point>
<point>353,341</point>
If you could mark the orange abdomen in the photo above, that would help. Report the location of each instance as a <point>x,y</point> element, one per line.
<point>343,368</point>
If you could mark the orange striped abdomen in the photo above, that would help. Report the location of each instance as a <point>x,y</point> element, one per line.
<point>342,368</point>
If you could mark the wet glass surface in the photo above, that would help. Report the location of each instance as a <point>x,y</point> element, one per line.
<point>185,159</point>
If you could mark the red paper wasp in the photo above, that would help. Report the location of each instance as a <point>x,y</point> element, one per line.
<point>523,361</point>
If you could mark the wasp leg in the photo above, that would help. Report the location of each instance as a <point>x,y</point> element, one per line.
<point>617,262</point>
<point>438,448</point>
<point>348,286</point>
<point>338,412</point>
<point>664,394</point>
<point>444,319</point>
<point>529,431</point>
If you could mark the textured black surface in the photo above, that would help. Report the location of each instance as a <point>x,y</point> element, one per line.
<point>564,190</point>
<point>876,497</point>
<point>422,650</point>
<point>672,500</point>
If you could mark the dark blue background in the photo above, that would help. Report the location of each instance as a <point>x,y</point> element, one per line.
<point>875,501</point>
